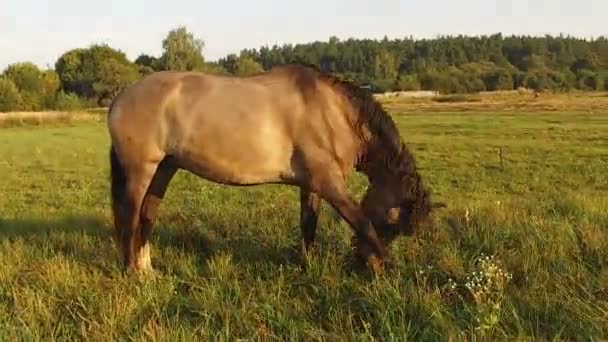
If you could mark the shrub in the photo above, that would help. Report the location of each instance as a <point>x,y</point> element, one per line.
<point>498,80</point>
<point>67,101</point>
<point>473,84</point>
<point>538,81</point>
<point>433,80</point>
<point>382,85</point>
<point>35,86</point>
<point>589,80</point>
<point>408,83</point>
<point>10,98</point>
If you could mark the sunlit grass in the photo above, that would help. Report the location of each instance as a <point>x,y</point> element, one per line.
<point>227,267</point>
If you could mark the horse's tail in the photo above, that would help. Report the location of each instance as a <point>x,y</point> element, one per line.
<point>118,173</point>
<point>118,178</point>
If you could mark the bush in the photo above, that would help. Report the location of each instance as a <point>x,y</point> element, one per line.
<point>538,81</point>
<point>590,80</point>
<point>67,102</point>
<point>34,85</point>
<point>144,70</point>
<point>408,83</point>
<point>473,84</point>
<point>432,80</point>
<point>498,80</point>
<point>562,79</point>
<point>10,98</point>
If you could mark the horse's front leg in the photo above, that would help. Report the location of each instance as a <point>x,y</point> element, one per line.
<point>309,216</point>
<point>331,186</point>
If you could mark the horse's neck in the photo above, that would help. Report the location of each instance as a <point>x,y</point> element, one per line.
<point>376,160</point>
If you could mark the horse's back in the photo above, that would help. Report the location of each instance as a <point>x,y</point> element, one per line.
<point>240,130</point>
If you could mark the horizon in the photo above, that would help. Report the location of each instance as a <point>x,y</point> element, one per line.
<point>49,30</point>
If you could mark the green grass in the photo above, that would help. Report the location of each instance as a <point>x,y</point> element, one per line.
<point>227,269</point>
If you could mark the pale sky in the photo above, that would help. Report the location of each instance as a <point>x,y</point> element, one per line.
<point>40,31</point>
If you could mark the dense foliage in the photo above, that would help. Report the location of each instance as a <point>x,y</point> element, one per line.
<point>94,75</point>
<point>454,64</point>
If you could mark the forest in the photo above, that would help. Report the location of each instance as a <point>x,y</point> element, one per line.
<point>93,75</point>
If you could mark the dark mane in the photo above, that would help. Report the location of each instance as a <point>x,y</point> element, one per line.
<point>385,151</point>
<point>371,114</point>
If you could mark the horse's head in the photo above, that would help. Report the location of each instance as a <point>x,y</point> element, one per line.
<point>397,202</point>
<point>397,207</point>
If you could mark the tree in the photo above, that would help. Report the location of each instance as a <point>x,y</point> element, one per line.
<point>589,80</point>
<point>26,76</point>
<point>182,51</point>
<point>95,73</point>
<point>72,73</point>
<point>113,77</point>
<point>453,64</point>
<point>67,101</point>
<point>229,63</point>
<point>10,99</point>
<point>214,68</point>
<point>246,66</point>
<point>589,62</point>
<point>408,82</point>
<point>147,64</point>
<point>147,60</point>
<point>385,65</point>
<point>36,87</point>
<point>448,64</point>
<point>499,79</point>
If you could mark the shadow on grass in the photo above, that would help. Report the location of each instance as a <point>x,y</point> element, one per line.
<point>212,237</point>
<point>40,228</point>
<point>248,245</point>
<point>83,239</point>
<point>88,240</point>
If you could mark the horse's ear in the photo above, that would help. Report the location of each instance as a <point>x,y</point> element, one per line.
<point>392,217</point>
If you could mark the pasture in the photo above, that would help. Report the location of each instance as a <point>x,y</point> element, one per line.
<point>521,251</point>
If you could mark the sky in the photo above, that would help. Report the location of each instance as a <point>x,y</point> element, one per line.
<point>39,31</point>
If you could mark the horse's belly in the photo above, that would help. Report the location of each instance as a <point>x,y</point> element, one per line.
<point>226,172</point>
<point>238,163</point>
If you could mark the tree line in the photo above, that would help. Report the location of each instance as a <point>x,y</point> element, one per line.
<point>92,76</point>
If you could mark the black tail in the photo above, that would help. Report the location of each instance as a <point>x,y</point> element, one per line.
<point>118,176</point>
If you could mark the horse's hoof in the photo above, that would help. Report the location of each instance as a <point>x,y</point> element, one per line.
<point>376,265</point>
<point>135,271</point>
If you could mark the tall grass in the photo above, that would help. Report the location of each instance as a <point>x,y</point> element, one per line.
<point>520,253</point>
<point>503,102</point>
<point>12,119</point>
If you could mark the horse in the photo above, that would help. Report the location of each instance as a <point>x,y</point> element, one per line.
<point>292,125</point>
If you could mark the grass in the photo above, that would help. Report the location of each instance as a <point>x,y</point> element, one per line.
<point>227,269</point>
<point>503,102</point>
<point>46,118</point>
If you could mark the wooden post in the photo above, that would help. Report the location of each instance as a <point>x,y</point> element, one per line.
<point>500,155</point>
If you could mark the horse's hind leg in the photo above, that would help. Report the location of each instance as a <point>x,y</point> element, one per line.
<point>309,214</point>
<point>129,186</point>
<point>149,209</point>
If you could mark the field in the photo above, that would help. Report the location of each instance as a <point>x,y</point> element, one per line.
<point>521,251</point>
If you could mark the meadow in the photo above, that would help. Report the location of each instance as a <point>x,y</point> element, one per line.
<point>520,252</point>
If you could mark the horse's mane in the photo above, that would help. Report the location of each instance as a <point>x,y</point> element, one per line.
<point>371,114</point>
<point>391,154</point>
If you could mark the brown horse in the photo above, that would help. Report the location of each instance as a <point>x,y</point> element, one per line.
<point>291,125</point>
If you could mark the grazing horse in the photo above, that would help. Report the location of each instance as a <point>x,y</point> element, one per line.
<point>291,125</point>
